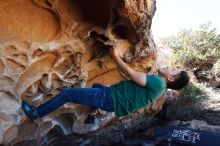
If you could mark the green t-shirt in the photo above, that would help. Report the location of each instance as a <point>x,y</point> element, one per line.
<point>129,97</point>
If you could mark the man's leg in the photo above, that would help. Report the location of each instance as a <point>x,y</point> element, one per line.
<point>94,97</point>
<point>100,86</point>
<point>94,109</point>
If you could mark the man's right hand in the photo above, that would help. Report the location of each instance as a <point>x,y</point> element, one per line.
<point>113,51</point>
<point>138,77</point>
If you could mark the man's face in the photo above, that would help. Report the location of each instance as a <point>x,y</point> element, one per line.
<point>168,71</point>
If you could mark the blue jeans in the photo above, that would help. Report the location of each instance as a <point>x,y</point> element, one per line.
<point>99,96</point>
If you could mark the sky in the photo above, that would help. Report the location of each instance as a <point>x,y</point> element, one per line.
<point>173,15</point>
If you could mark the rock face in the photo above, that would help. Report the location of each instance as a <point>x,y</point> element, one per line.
<point>48,45</point>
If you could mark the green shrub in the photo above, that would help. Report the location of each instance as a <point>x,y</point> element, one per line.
<point>195,49</point>
<point>187,107</point>
<point>192,93</point>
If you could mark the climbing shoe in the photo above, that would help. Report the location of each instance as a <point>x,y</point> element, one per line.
<point>29,110</point>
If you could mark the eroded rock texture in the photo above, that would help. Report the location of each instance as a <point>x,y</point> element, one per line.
<point>48,45</point>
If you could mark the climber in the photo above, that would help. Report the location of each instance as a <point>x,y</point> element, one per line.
<point>137,91</point>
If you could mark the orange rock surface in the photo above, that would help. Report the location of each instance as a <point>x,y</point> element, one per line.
<point>48,45</point>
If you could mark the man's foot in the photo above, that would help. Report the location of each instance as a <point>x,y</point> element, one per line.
<point>92,116</point>
<point>29,110</point>
<point>90,119</point>
<point>99,122</point>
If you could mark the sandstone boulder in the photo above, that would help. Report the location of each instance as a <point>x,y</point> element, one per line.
<point>48,45</point>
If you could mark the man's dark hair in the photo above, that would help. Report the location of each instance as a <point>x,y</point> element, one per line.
<point>180,80</point>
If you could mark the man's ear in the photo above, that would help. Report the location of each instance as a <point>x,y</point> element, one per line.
<point>170,78</point>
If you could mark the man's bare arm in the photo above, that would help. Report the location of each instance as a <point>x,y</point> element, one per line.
<point>138,77</point>
<point>125,76</point>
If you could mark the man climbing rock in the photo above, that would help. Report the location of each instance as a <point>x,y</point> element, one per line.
<point>137,91</point>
